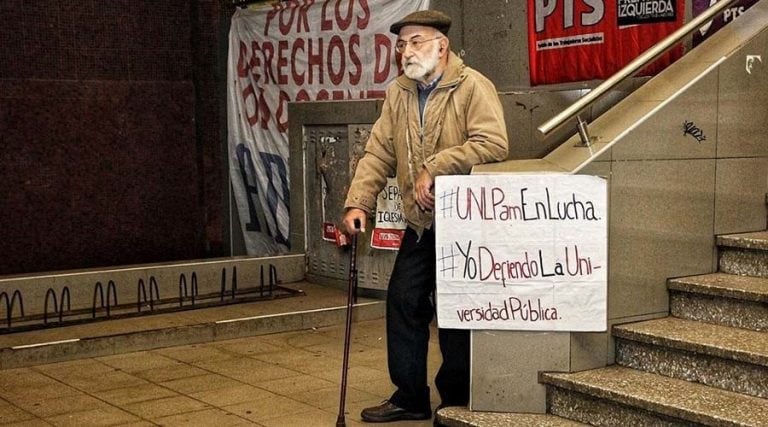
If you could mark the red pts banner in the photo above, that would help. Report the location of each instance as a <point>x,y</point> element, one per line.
<point>575,40</point>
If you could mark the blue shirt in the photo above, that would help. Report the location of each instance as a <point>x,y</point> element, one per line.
<point>424,91</point>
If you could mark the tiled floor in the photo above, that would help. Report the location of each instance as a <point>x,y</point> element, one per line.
<point>286,379</point>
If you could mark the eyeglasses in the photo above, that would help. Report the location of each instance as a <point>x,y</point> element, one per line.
<point>416,44</point>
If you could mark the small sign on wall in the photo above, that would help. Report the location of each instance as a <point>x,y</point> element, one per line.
<point>390,220</point>
<point>521,252</point>
<point>729,14</point>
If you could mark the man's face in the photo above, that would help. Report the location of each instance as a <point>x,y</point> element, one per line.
<point>420,50</point>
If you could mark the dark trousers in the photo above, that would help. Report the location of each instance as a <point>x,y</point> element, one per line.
<point>409,313</point>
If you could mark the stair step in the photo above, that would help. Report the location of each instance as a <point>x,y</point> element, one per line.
<point>459,416</point>
<point>729,358</point>
<point>725,299</point>
<point>724,285</point>
<point>617,395</point>
<point>715,340</point>
<point>755,240</point>
<point>744,254</point>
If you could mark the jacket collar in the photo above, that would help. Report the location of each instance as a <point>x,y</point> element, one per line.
<point>451,75</point>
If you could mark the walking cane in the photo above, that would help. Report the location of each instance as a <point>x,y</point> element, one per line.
<point>351,291</point>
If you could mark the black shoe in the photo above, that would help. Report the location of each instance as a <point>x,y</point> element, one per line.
<point>387,412</point>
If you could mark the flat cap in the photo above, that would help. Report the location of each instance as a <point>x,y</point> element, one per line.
<point>426,18</point>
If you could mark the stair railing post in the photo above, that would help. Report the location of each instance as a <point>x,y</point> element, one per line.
<point>586,140</point>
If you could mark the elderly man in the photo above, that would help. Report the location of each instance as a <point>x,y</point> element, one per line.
<point>440,118</point>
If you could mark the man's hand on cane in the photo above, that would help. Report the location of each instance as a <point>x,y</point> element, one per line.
<point>350,216</point>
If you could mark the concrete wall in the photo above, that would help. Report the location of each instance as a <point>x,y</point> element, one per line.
<point>110,133</point>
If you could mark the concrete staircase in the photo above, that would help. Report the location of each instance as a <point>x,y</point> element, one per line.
<point>705,364</point>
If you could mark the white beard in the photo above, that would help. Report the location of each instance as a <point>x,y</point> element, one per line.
<point>416,69</point>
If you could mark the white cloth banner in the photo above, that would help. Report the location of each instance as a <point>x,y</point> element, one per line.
<point>296,51</point>
<point>521,252</point>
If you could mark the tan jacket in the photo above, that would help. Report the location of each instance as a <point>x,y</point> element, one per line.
<point>463,126</point>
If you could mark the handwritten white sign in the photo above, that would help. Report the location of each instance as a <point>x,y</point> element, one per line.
<point>521,252</point>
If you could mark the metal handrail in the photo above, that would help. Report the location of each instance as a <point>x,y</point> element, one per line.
<point>637,64</point>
